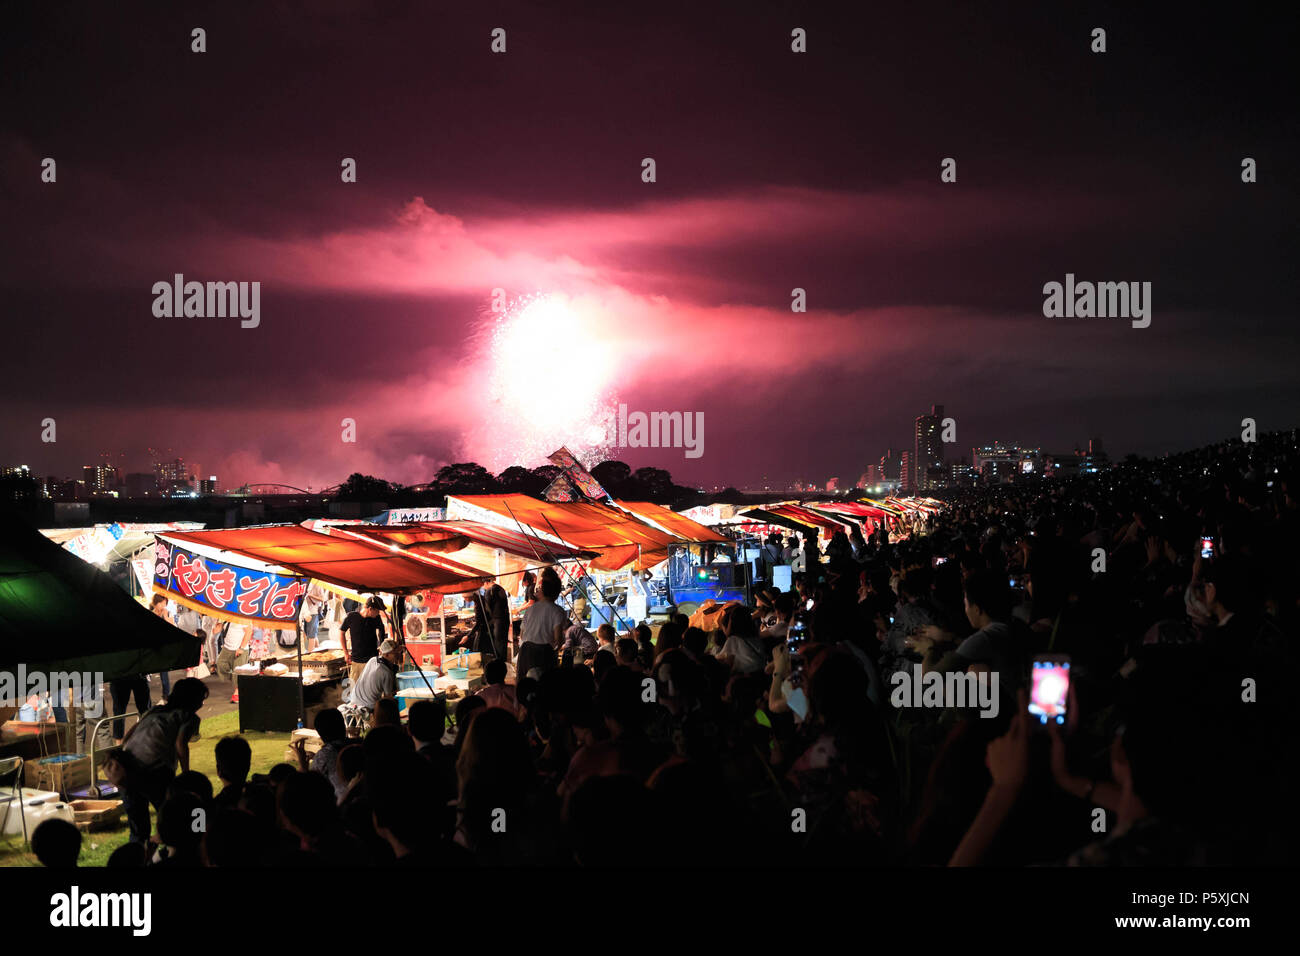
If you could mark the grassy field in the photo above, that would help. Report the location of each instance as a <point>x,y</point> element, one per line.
<point>268,750</point>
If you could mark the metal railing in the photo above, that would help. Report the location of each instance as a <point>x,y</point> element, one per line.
<point>94,739</point>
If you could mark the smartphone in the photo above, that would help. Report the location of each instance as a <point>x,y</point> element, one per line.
<point>940,560</point>
<point>794,639</point>
<point>808,605</point>
<point>1012,583</point>
<point>1049,690</point>
<point>1207,548</point>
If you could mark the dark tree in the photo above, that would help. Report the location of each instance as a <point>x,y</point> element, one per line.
<point>467,477</point>
<point>359,487</point>
<point>546,474</point>
<point>654,484</point>
<point>613,476</point>
<point>520,480</point>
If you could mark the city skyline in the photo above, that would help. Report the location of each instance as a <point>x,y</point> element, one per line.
<point>890,471</point>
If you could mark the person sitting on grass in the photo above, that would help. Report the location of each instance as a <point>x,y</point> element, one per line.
<point>181,822</point>
<point>386,714</point>
<point>234,759</point>
<point>57,844</point>
<point>129,856</point>
<point>628,653</point>
<point>191,781</point>
<point>605,639</point>
<point>579,645</point>
<point>498,693</point>
<point>333,734</point>
<point>307,810</point>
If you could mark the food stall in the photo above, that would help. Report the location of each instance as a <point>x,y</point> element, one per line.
<point>503,554</point>
<point>618,539</point>
<point>260,575</point>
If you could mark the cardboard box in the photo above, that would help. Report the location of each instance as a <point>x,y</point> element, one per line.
<point>63,773</point>
<point>96,814</point>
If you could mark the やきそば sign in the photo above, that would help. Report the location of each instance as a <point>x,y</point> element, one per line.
<point>225,588</point>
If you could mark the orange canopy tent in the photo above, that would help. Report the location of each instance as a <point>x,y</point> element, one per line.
<point>347,561</point>
<point>670,520</point>
<point>619,539</point>
<point>467,546</point>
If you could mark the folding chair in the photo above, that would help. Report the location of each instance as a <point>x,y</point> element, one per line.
<point>14,799</point>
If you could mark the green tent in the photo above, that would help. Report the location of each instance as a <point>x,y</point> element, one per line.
<point>58,613</point>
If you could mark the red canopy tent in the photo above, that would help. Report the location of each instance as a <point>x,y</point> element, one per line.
<point>348,561</point>
<point>671,521</point>
<point>618,539</point>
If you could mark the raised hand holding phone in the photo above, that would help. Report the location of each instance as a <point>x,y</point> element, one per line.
<point>1008,756</point>
<point>1049,688</point>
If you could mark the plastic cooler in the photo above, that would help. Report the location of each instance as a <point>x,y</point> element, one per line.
<point>37,811</point>
<point>411,680</point>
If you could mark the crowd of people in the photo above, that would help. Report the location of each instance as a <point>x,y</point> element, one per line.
<point>765,734</point>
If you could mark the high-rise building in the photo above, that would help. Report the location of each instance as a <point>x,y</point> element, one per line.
<point>100,478</point>
<point>208,485</point>
<point>962,475</point>
<point>928,450</point>
<point>983,454</point>
<point>169,472</point>
<point>890,462</point>
<point>70,489</point>
<point>906,477</point>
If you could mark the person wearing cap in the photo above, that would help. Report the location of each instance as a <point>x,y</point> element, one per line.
<point>362,631</point>
<point>378,678</point>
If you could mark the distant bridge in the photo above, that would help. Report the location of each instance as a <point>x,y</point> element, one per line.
<point>275,488</point>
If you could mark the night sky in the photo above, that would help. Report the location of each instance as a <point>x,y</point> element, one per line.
<point>522,171</point>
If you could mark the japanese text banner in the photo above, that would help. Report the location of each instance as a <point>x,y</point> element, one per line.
<point>226,591</point>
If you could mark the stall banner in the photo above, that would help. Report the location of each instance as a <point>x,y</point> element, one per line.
<point>561,489</point>
<point>413,515</point>
<point>225,590</point>
<point>143,569</point>
<point>93,546</point>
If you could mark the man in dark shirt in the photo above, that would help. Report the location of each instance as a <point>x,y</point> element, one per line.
<point>362,633</point>
<point>491,622</point>
<point>152,749</point>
